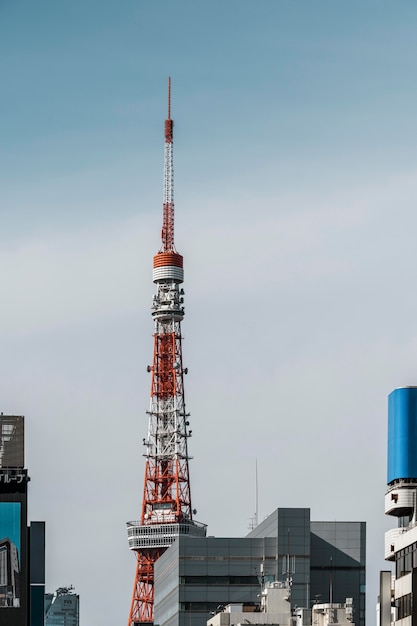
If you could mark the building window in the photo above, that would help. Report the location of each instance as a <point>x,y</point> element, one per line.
<point>404,606</point>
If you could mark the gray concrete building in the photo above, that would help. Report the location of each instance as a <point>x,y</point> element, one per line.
<point>323,560</point>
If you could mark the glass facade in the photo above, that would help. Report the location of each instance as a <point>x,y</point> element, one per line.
<point>195,576</point>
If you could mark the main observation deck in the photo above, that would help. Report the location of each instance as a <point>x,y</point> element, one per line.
<point>161,535</point>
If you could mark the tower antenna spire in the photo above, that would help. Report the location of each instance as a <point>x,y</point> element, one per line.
<point>166,504</point>
<point>169,97</point>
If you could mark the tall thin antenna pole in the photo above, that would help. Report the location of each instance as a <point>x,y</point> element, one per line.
<point>168,206</point>
<point>256,493</point>
<point>331,580</point>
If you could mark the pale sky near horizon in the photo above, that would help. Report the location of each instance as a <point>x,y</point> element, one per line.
<point>295,185</point>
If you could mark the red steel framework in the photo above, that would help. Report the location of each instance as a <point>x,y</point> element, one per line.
<point>166,505</point>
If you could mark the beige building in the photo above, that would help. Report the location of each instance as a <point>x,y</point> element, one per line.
<point>274,609</point>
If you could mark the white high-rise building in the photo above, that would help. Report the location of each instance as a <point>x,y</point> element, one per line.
<point>396,604</point>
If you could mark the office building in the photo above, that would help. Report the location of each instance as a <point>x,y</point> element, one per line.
<point>322,560</point>
<point>62,608</point>
<point>14,597</point>
<point>22,549</point>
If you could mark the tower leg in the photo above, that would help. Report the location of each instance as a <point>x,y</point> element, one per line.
<point>141,609</point>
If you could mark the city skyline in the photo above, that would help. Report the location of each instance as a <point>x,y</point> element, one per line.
<point>295,186</point>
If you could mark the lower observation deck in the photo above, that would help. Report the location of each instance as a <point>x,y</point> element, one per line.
<point>161,535</point>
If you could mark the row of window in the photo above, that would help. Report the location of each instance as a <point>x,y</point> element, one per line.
<point>406,560</point>
<point>335,568</point>
<point>225,557</point>
<point>205,607</point>
<point>404,606</point>
<point>219,580</point>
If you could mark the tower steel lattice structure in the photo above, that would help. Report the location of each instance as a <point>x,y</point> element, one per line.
<point>166,506</point>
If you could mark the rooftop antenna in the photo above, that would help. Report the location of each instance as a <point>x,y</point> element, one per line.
<point>254,520</point>
<point>256,493</point>
<point>331,581</point>
<point>288,565</point>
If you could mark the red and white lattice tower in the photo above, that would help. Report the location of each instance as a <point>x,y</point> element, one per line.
<point>166,504</point>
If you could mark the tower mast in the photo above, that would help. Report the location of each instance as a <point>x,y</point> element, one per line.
<point>166,503</point>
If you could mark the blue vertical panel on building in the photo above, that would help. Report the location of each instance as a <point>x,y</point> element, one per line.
<point>402,434</point>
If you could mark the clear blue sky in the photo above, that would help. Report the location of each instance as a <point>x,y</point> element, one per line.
<point>292,89</point>
<point>295,187</point>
